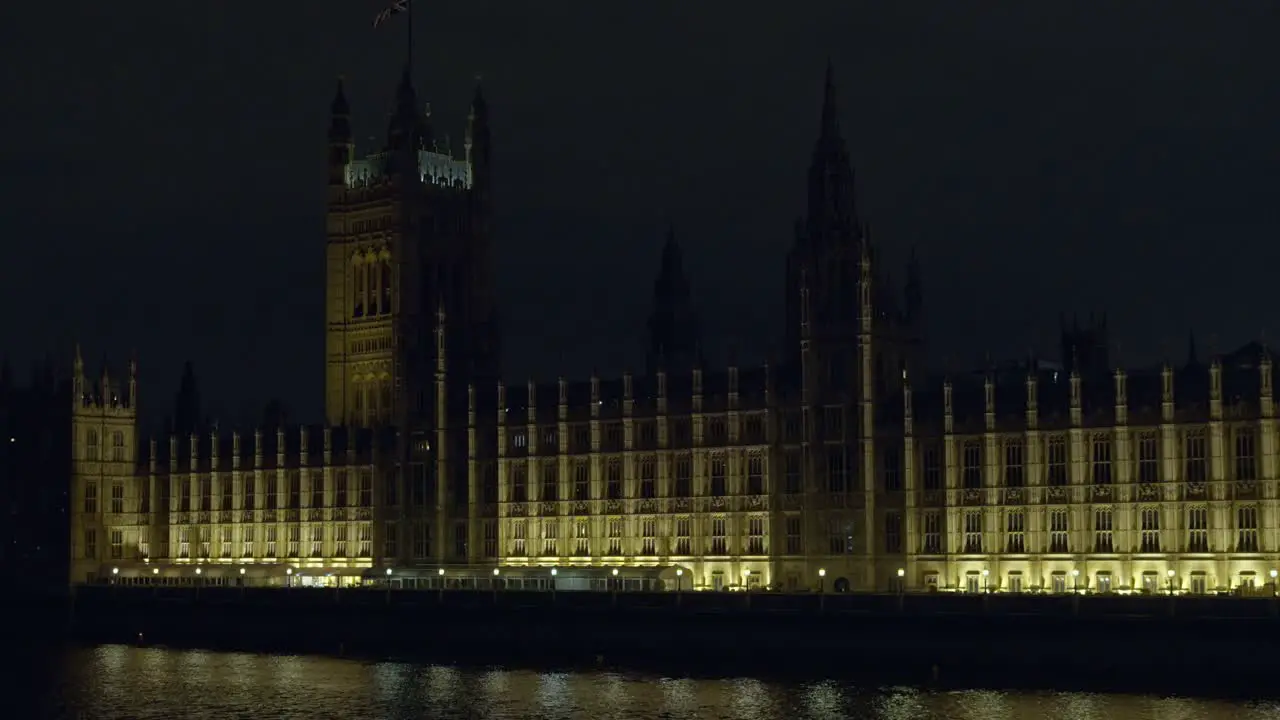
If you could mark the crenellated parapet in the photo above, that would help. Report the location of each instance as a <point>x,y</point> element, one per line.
<point>698,390</point>
<point>107,393</point>
<point>1238,386</point>
<point>292,447</point>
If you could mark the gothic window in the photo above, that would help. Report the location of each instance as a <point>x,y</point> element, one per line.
<point>581,481</point>
<point>792,473</point>
<point>1057,461</point>
<point>385,305</point>
<point>1247,528</point>
<point>519,483</point>
<point>1015,531</point>
<point>1198,529</point>
<point>1058,536</point>
<point>1195,462</point>
<point>357,288</point>
<point>972,465</point>
<point>719,483</point>
<point>613,479</point>
<point>837,471</point>
<point>1246,455</point>
<point>1013,467</point>
<point>931,542</point>
<point>550,482</point>
<point>932,469</point>
<point>1150,519</point>
<point>1102,529</point>
<point>1101,460</point>
<point>892,469</point>
<point>648,478</point>
<point>1148,460</point>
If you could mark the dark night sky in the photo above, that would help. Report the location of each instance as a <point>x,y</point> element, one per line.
<point>165,169</point>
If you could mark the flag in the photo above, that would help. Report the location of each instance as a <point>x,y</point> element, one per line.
<point>395,8</point>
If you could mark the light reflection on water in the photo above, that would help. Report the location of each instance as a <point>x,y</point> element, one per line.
<point>144,683</point>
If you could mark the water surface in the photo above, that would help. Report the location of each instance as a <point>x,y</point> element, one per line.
<point>128,682</point>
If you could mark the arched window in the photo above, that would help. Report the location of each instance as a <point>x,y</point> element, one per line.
<point>357,287</point>
<point>384,406</point>
<point>386,285</point>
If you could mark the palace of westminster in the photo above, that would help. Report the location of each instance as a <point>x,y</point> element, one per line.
<point>836,467</point>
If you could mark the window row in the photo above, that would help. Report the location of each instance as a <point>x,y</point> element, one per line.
<point>716,536</point>
<point>1012,537</point>
<point>1099,461</point>
<point>94,451</point>
<point>717,482</point>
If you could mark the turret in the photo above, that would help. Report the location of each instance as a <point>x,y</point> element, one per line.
<point>133,382</point>
<point>832,218</point>
<point>1265,390</point>
<point>1166,394</point>
<point>1215,389</point>
<point>1033,400</point>
<point>407,130</point>
<point>1121,380</point>
<point>341,147</point>
<point>79,388</point>
<point>673,324</point>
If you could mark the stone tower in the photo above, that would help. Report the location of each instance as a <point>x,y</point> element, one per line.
<point>408,236</point>
<point>103,495</point>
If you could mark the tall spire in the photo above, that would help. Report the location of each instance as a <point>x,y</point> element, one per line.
<point>341,148</point>
<point>407,128</point>
<point>832,219</point>
<point>830,126</point>
<point>673,324</point>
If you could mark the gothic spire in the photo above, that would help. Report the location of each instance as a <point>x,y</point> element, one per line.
<point>407,127</point>
<point>673,325</point>
<point>833,219</point>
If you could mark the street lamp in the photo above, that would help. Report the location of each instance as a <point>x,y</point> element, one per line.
<point>115,571</point>
<point>986,584</point>
<point>746,577</point>
<point>679,579</point>
<point>1075,580</point>
<point>1171,573</point>
<point>1274,572</point>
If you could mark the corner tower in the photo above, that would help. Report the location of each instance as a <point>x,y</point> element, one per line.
<point>408,234</point>
<point>103,494</point>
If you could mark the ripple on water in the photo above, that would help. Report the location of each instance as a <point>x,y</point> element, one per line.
<point>145,683</point>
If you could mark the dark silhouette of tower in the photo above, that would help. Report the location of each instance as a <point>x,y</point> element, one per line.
<point>674,336</point>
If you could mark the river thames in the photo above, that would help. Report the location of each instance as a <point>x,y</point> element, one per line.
<point>129,682</point>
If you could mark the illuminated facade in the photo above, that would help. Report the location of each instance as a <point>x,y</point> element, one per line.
<point>838,466</point>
